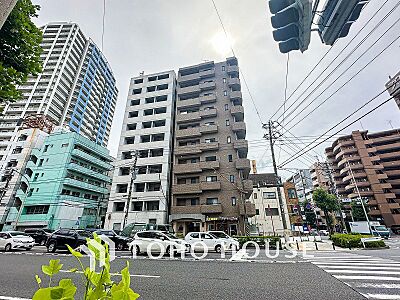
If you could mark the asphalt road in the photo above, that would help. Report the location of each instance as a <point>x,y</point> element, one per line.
<point>345,274</point>
<point>187,279</point>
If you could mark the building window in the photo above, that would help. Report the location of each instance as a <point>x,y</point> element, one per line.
<point>152,205</point>
<point>230,157</point>
<point>194,180</point>
<point>211,158</point>
<point>137,81</point>
<point>225,93</point>
<point>255,195</point>
<point>137,206</point>
<point>131,126</point>
<point>223,68</point>
<point>130,140</point>
<point>135,102</point>
<point>228,140</point>
<point>37,210</point>
<point>211,178</point>
<point>269,195</point>
<point>232,178</point>
<point>46,147</point>
<point>133,114</point>
<point>136,91</point>
<point>233,200</point>
<point>292,193</point>
<point>119,206</point>
<point>122,188</point>
<point>227,122</point>
<point>224,80</point>
<point>226,106</point>
<point>181,181</point>
<point>271,211</point>
<point>64,145</point>
<point>212,201</point>
<point>41,162</point>
<point>257,212</point>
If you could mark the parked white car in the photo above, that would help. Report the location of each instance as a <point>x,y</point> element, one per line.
<point>231,242</point>
<point>159,241</point>
<point>10,240</point>
<point>211,241</point>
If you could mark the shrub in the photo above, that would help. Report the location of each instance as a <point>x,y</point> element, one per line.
<point>260,240</point>
<point>98,285</point>
<point>354,241</point>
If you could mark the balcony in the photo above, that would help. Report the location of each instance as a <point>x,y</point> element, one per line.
<point>193,116</point>
<point>211,209</point>
<point>181,210</point>
<point>241,145</point>
<point>209,146</point>
<point>243,164</point>
<point>234,83</point>
<point>209,165</point>
<point>190,90</point>
<point>236,97</point>
<point>194,102</point>
<point>189,132</point>
<point>248,209</point>
<point>182,189</point>
<point>346,151</point>
<point>233,70</point>
<point>84,185</point>
<point>88,172</point>
<point>207,86</point>
<point>237,111</point>
<point>184,150</point>
<point>210,186</point>
<point>375,212</point>
<point>90,158</point>
<point>394,205</point>
<point>248,186</point>
<point>209,113</point>
<point>239,127</point>
<point>187,168</point>
<point>209,129</point>
<point>208,99</point>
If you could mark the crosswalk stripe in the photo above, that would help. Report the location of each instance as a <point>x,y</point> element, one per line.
<point>373,267</point>
<point>377,285</point>
<point>384,263</point>
<point>363,272</point>
<point>381,296</point>
<point>360,277</point>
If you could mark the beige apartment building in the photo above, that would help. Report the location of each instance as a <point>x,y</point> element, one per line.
<point>210,185</point>
<point>368,165</point>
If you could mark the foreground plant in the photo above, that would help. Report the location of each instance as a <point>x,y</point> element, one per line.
<point>98,285</point>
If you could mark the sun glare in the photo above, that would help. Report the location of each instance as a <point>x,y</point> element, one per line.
<point>221,43</point>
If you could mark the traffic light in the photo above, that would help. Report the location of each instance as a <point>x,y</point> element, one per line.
<point>337,18</point>
<point>292,22</point>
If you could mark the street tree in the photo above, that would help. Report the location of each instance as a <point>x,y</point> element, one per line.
<point>326,202</point>
<point>309,213</point>
<point>357,211</point>
<point>19,50</point>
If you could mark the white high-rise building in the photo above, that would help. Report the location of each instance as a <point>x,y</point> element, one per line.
<point>146,131</point>
<point>76,88</point>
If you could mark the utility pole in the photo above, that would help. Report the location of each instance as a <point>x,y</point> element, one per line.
<point>270,136</point>
<point>332,187</point>
<point>133,177</point>
<point>359,197</point>
<point>9,174</point>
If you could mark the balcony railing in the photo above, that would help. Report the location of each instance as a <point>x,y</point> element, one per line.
<point>211,208</point>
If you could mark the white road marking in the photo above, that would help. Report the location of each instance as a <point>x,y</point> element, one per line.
<point>377,285</point>
<point>359,277</point>
<point>12,298</point>
<point>117,274</point>
<point>373,267</point>
<point>356,264</point>
<point>381,296</point>
<point>364,272</point>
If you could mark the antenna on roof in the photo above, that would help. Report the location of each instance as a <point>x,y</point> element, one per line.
<point>141,73</point>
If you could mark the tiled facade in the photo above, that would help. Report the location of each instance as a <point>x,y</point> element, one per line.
<point>374,161</point>
<point>210,165</point>
<point>147,130</point>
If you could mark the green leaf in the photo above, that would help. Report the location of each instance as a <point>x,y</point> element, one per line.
<point>53,268</point>
<point>76,254</point>
<point>53,293</point>
<point>38,280</point>
<point>69,289</point>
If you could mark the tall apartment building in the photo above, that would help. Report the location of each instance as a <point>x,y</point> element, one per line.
<point>147,131</point>
<point>393,87</point>
<point>371,163</point>
<point>303,183</point>
<point>65,184</point>
<point>6,6</point>
<point>210,165</point>
<point>76,88</point>
<point>320,175</point>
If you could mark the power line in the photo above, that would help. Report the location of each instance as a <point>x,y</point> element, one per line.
<point>343,128</point>
<point>240,70</point>
<point>340,63</point>
<point>323,57</point>
<point>344,84</point>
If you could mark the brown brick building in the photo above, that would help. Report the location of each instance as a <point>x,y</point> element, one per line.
<point>374,160</point>
<point>210,165</point>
